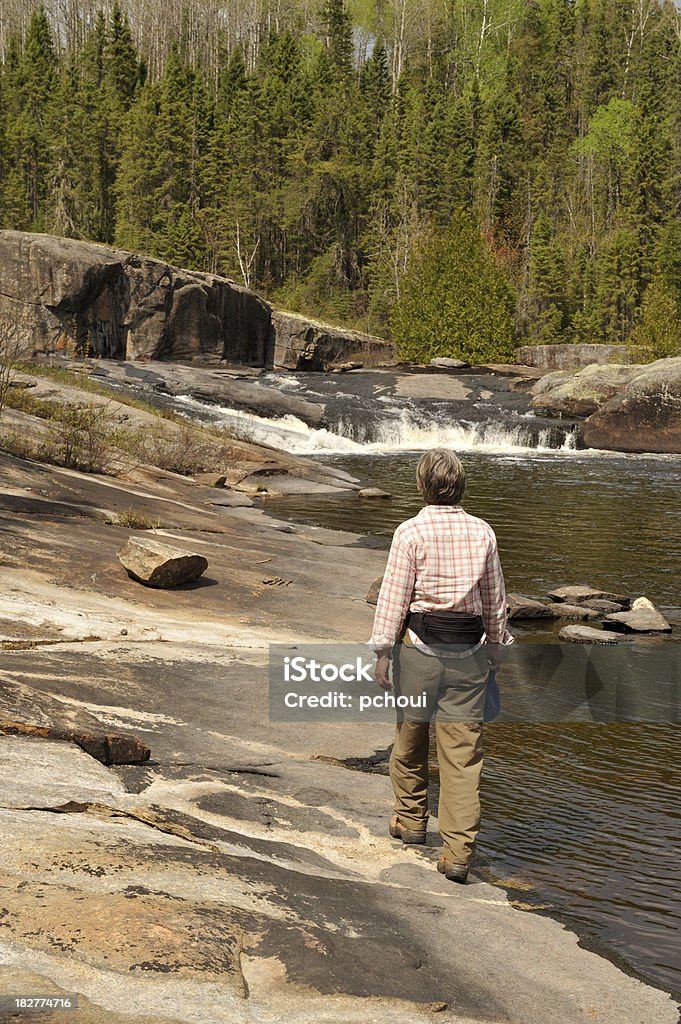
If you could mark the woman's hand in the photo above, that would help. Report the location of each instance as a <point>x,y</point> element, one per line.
<point>382,670</point>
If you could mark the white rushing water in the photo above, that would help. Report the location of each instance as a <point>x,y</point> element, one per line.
<point>398,433</point>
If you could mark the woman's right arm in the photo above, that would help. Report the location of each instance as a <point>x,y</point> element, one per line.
<point>395,595</point>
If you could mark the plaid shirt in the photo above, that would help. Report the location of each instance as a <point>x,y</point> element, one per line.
<point>441,560</point>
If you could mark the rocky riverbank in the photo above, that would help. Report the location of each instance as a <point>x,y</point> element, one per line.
<point>244,871</point>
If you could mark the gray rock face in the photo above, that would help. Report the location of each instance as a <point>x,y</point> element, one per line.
<point>66,295</point>
<point>582,393</point>
<point>302,344</point>
<point>160,565</point>
<point>570,357</point>
<point>521,607</point>
<point>645,415</point>
<point>588,635</point>
<point>583,594</point>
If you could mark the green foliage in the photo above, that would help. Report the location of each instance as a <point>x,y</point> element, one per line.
<point>454,300</point>
<point>307,161</point>
<point>658,332</point>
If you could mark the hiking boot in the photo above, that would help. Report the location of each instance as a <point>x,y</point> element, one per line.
<point>454,872</point>
<point>408,836</point>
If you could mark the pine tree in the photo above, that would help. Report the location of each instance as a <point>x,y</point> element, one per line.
<point>30,126</point>
<point>338,36</point>
<point>547,315</point>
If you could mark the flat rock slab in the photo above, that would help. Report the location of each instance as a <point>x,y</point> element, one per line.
<point>576,611</point>
<point>46,773</point>
<point>521,607</point>
<point>582,594</point>
<point>603,607</point>
<point>639,620</point>
<point>588,635</point>
<point>160,565</point>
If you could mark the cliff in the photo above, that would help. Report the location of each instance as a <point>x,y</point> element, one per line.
<point>68,295</point>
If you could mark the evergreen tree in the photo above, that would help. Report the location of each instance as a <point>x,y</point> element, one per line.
<point>547,315</point>
<point>454,300</point>
<point>657,335</point>
<point>338,32</point>
<point>30,112</point>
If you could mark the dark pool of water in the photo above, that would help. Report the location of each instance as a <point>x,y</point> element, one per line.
<point>584,819</point>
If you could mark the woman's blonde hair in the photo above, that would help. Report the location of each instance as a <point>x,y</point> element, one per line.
<point>440,477</point>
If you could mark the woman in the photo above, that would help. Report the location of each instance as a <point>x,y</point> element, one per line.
<point>442,610</point>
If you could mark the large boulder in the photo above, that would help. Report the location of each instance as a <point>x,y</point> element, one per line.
<point>304,344</point>
<point>67,295</point>
<point>582,393</point>
<point>645,416</point>
<point>160,565</point>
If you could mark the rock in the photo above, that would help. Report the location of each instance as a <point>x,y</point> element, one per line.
<point>107,747</point>
<point>642,618</point>
<point>521,607</point>
<point>550,381</point>
<point>583,594</point>
<point>304,344</point>
<point>576,611</point>
<point>68,296</point>
<point>160,565</point>
<point>603,607</point>
<point>645,416</point>
<point>570,357</point>
<point>582,393</point>
<point>445,363</point>
<point>346,367</point>
<point>588,635</point>
<point>371,596</point>
<point>211,479</point>
<point>373,492</point>
<point>65,294</point>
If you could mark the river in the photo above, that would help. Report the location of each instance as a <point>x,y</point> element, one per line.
<point>582,821</point>
<point>579,820</point>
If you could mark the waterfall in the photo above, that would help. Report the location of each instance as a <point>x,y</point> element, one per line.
<point>397,428</point>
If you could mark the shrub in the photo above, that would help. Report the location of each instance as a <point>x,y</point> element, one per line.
<point>454,300</point>
<point>136,519</point>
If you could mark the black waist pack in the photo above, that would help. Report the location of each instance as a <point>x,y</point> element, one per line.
<point>434,628</point>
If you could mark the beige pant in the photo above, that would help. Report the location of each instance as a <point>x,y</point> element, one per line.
<point>457,685</point>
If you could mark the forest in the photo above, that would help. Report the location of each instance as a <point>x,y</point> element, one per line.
<point>462,175</point>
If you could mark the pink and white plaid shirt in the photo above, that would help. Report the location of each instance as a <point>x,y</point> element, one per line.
<point>444,559</point>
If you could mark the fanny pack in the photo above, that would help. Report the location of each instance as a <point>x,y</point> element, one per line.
<point>434,628</point>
